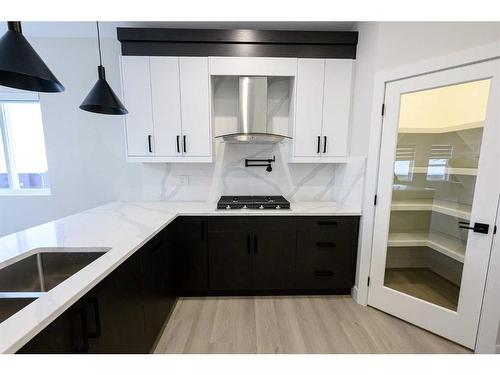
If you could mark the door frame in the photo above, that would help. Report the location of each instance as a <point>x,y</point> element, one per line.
<point>465,57</point>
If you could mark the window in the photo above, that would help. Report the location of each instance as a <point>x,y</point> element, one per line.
<point>403,166</point>
<point>438,162</point>
<point>23,160</point>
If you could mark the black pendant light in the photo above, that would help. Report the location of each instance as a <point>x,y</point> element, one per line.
<point>102,99</point>
<point>20,65</point>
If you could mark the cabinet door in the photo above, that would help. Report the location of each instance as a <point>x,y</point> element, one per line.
<point>166,98</point>
<point>274,259</point>
<point>309,107</point>
<point>230,261</point>
<point>136,82</point>
<point>191,255</point>
<point>336,107</point>
<point>155,297</point>
<point>195,110</point>
<point>119,302</point>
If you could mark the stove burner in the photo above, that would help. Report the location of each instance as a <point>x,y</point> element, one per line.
<point>253,202</point>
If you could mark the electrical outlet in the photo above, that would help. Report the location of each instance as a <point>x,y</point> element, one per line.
<point>184,180</point>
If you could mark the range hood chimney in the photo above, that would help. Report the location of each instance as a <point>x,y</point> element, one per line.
<point>252,116</point>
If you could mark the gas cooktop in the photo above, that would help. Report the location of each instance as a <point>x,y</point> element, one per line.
<point>261,202</point>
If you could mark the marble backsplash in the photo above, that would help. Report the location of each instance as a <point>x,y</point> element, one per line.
<point>228,175</point>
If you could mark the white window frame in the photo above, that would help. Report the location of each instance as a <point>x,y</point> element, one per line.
<point>14,187</point>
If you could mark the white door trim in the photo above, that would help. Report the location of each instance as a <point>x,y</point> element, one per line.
<point>465,57</point>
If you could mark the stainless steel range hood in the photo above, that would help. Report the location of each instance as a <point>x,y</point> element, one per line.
<point>252,116</point>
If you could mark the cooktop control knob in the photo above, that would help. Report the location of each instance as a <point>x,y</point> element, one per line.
<point>261,207</point>
<point>245,206</point>
<point>228,207</point>
<point>278,207</point>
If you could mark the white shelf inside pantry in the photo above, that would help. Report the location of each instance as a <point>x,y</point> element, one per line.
<point>454,209</point>
<point>447,245</point>
<point>450,170</point>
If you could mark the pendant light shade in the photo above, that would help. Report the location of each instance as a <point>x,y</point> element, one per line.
<point>20,65</point>
<point>101,98</point>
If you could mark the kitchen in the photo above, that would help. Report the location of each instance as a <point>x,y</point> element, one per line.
<point>244,188</point>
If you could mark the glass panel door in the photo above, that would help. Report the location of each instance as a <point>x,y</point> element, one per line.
<point>437,154</point>
<point>438,179</point>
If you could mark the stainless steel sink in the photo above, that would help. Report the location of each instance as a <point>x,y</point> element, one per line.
<point>27,279</point>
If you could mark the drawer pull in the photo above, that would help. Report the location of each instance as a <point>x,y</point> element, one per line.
<point>323,274</point>
<point>332,223</point>
<point>325,244</point>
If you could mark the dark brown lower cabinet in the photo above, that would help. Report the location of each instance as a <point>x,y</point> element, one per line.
<point>251,254</point>
<point>221,255</point>
<point>326,253</point>
<point>124,313</point>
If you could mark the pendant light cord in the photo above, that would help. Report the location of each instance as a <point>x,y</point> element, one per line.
<point>99,43</point>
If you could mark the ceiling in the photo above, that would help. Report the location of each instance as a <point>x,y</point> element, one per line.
<point>108,29</point>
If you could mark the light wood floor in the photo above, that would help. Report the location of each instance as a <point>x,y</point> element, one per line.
<point>313,324</point>
<point>424,284</point>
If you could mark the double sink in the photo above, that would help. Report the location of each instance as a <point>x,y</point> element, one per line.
<point>29,278</point>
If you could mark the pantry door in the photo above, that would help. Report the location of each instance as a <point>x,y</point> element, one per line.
<point>439,175</point>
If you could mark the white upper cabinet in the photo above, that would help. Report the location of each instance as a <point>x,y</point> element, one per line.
<point>336,107</point>
<point>137,97</point>
<point>195,99</point>
<point>323,103</point>
<point>309,107</point>
<point>169,109</point>
<point>165,89</point>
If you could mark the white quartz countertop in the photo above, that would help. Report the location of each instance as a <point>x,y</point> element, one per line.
<point>122,227</point>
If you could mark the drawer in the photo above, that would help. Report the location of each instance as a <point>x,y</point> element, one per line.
<point>251,224</point>
<point>328,224</point>
<point>324,278</point>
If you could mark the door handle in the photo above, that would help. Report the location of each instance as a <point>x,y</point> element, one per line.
<point>82,313</point>
<point>319,146</point>
<point>97,318</point>
<point>255,244</point>
<point>178,147</point>
<point>325,244</point>
<point>150,147</point>
<point>478,227</point>
<point>184,143</point>
<point>324,144</point>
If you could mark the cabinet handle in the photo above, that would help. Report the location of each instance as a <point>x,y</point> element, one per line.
<point>325,244</point>
<point>83,329</point>
<point>149,143</point>
<point>333,223</point>
<point>184,143</point>
<point>203,230</point>
<point>255,244</point>
<point>248,244</point>
<point>323,274</point>
<point>178,147</point>
<point>318,148</point>
<point>324,144</point>
<point>97,318</point>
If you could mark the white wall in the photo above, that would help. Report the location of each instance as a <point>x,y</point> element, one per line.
<point>85,151</point>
